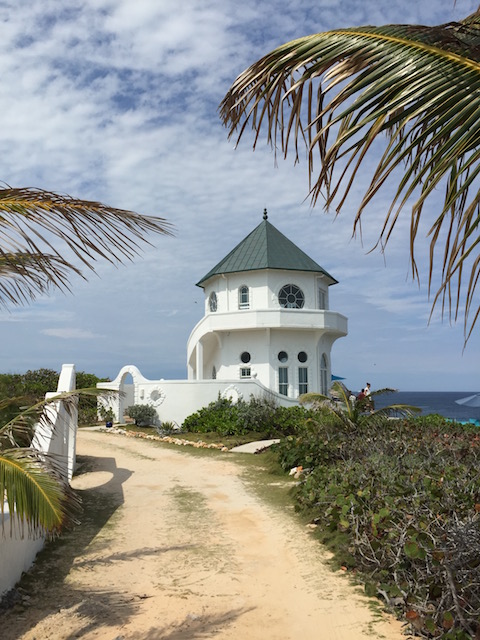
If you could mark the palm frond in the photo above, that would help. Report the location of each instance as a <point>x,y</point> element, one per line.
<point>394,411</point>
<point>379,392</point>
<point>24,422</point>
<point>35,493</point>
<point>24,276</point>
<point>34,222</point>
<point>421,86</point>
<point>312,397</point>
<point>33,482</point>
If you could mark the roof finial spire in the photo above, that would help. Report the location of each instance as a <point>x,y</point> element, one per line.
<point>265,214</point>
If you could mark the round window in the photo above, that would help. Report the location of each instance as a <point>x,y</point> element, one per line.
<point>291,297</point>
<point>282,356</point>
<point>302,356</point>
<point>245,357</point>
<point>213,301</point>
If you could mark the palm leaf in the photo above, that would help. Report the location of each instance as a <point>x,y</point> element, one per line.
<point>32,481</point>
<point>351,411</point>
<point>33,222</point>
<point>24,276</point>
<point>34,492</point>
<point>421,86</point>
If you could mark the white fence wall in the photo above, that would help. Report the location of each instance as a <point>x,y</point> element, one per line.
<point>174,400</point>
<point>17,554</point>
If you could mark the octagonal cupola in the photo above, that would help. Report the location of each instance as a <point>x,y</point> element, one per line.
<point>264,297</point>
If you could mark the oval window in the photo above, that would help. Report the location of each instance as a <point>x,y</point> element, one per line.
<point>283,356</point>
<point>245,357</point>
<point>302,356</point>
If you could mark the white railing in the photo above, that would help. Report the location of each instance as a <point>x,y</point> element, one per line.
<point>16,553</point>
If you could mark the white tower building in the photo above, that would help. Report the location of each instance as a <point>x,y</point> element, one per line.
<point>266,317</point>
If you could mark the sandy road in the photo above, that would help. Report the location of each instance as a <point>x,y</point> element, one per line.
<point>176,547</point>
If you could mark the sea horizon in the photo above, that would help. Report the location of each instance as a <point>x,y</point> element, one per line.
<point>440,402</point>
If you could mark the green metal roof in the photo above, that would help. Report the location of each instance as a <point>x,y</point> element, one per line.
<point>265,248</point>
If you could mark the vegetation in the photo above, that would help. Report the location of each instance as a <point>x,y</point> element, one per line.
<point>144,414</point>
<point>32,483</point>
<point>352,84</point>
<point>259,416</point>
<point>34,224</point>
<point>398,503</point>
<point>351,410</point>
<point>18,390</point>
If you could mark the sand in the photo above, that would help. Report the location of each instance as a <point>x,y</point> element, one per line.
<point>181,548</point>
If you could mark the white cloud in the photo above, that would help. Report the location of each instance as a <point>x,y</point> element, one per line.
<point>71,334</point>
<point>117,102</point>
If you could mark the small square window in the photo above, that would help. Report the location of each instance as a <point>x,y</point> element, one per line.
<point>245,372</point>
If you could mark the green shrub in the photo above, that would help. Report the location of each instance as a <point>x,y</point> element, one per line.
<point>258,415</point>
<point>167,428</point>
<point>144,414</point>
<point>399,501</point>
<point>219,417</point>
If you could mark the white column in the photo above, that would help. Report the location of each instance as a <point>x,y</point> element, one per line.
<point>199,360</point>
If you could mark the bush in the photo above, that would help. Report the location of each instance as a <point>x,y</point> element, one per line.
<point>30,387</point>
<point>220,417</point>
<point>259,415</point>
<point>399,501</point>
<point>145,415</point>
<point>167,428</point>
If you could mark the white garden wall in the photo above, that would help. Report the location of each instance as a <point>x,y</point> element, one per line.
<point>174,400</point>
<point>17,554</point>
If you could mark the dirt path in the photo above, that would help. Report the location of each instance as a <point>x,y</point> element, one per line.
<point>176,547</point>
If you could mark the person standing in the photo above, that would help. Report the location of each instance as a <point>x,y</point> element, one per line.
<point>368,397</point>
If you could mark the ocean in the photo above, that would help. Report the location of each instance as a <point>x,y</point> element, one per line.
<point>441,402</point>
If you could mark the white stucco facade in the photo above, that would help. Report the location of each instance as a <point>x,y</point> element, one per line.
<point>264,329</point>
<point>267,329</point>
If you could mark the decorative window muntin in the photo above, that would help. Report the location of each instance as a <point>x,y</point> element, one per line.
<point>291,297</point>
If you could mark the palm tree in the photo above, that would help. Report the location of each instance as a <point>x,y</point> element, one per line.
<point>419,85</point>
<point>342,403</point>
<point>32,483</point>
<point>32,223</point>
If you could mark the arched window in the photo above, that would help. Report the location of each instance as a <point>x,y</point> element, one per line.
<point>243,297</point>
<point>291,297</point>
<point>323,375</point>
<point>212,301</point>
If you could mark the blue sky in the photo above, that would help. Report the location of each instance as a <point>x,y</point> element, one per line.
<point>116,101</point>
